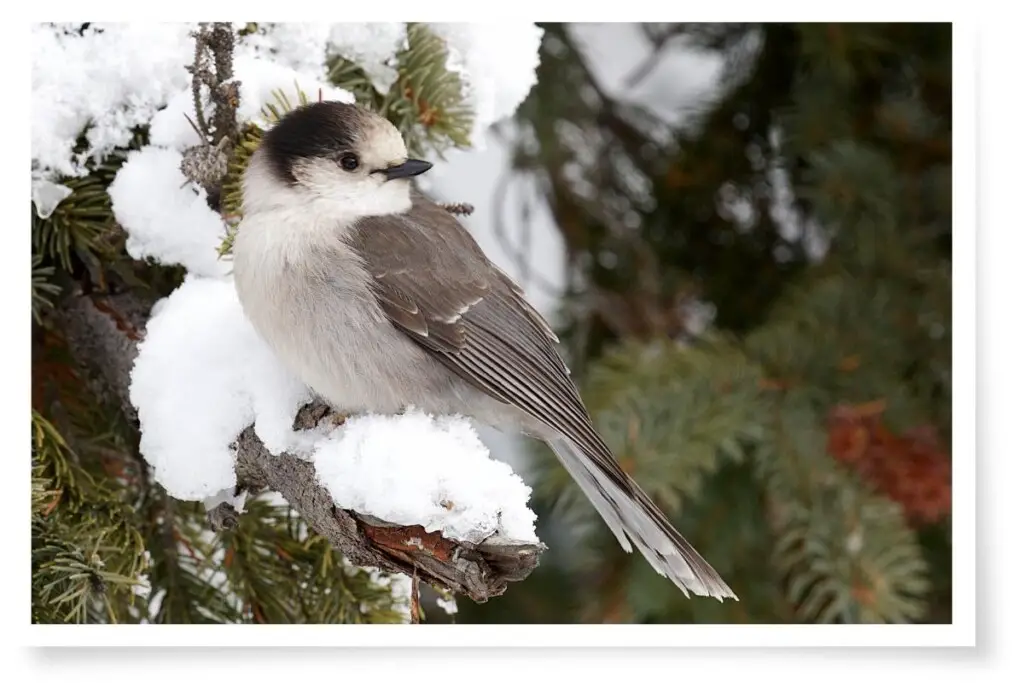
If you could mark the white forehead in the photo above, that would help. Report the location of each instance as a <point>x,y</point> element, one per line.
<point>380,143</point>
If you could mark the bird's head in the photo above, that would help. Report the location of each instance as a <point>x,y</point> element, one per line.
<point>335,153</point>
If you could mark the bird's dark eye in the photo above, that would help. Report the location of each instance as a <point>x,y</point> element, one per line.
<point>349,161</point>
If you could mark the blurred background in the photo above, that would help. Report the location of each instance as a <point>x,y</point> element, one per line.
<point>743,235</point>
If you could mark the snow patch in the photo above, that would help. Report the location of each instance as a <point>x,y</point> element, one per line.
<point>103,83</point>
<point>165,216</point>
<point>372,46</point>
<point>416,468</point>
<point>498,64</point>
<point>47,196</point>
<point>203,375</point>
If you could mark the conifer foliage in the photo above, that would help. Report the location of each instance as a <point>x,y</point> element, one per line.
<point>801,440</point>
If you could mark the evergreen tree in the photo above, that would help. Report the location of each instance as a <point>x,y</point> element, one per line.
<point>801,440</point>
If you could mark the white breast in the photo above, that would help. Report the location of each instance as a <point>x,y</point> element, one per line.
<point>308,295</point>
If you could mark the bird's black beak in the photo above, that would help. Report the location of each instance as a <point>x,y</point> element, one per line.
<point>407,169</point>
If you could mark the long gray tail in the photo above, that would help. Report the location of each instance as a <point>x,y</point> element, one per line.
<point>632,516</point>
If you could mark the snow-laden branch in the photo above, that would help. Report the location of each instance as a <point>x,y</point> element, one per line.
<point>104,333</point>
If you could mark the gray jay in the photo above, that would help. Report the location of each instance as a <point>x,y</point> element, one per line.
<point>379,299</point>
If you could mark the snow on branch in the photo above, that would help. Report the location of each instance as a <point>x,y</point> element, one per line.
<point>203,375</point>
<point>474,533</point>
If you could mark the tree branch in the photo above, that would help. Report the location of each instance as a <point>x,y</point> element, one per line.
<point>213,68</point>
<point>103,331</point>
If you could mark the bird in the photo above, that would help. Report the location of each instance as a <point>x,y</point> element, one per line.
<point>378,298</point>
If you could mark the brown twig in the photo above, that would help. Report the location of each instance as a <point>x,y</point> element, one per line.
<point>458,208</point>
<point>414,599</point>
<point>198,69</point>
<point>213,69</point>
<point>527,275</point>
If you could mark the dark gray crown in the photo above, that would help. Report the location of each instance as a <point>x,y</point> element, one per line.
<point>316,130</point>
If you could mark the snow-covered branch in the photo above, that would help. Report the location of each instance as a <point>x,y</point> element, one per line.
<point>104,332</point>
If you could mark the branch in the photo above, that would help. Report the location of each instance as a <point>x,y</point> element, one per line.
<point>646,67</point>
<point>103,332</point>
<point>527,274</point>
<point>458,208</point>
<point>213,68</point>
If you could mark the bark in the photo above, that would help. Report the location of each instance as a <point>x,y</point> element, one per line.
<point>103,332</point>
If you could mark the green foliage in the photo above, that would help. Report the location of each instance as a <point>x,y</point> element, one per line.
<point>733,430</point>
<point>283,573</point>
<point>43,290</point>
<point>680,418</point>
<point>180,587</point>
<point>86,549</point>
<point>846,554</point>
<point>427,102</point>
<point>82,228</point>
<point>269,569</point>
<point>77,226</point>
<point>671,415</point>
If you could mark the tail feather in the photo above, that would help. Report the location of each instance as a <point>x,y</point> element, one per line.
<point>632,516</point>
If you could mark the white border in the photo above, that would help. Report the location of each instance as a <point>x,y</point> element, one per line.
<point>962,632</point>
<point>588,636</point>
<point>964,448</point>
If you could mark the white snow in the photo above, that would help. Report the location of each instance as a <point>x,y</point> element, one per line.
<point>416,468</point>
<point>448,604</point>
<point>47,196</point>
<point>119,76</point>
<point>104,83</point>
<point>260,78</point>
<point>202,376</point>
<point>165,217</point>
<point>226,496</point>
<point>372,46</point>
<point>498,64</point>
<point>681,79</point>
<point>295,45</point>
